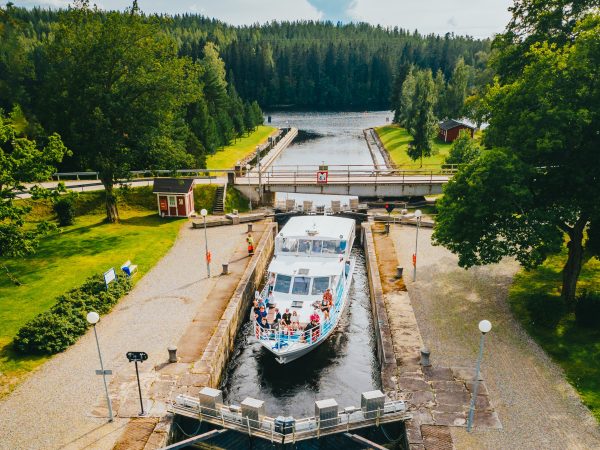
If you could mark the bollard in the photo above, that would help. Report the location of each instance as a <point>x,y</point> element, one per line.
<point>172,354</point>
<point>399,271</point>
<point>387,228</point>
<point>249,228</point>
<point>425,357</point>
<point>225,269</point>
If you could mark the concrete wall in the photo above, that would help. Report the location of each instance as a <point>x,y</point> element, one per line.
<point>216,356</point>
<point>383,337</point>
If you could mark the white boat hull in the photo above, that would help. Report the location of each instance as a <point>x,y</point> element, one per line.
<point>289,353</point>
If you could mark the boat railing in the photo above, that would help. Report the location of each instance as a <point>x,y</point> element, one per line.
<point>284,337</point>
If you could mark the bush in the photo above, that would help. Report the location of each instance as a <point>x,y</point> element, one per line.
<point>65,210</point>
<point>587,309</point>
<point>54,331</point>
<point>545,310</point>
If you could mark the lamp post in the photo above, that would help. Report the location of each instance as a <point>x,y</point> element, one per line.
<point>418,217</point>
<point>203,213</point>
<point>259,174</point>
<point>248,167</point>
<point>93,318</point>
<point>484,326</point>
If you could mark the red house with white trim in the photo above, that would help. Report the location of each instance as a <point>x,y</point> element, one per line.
<point>450,129</point>
<point>175,196</point>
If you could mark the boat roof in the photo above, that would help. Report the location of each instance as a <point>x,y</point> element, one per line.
<point>327,227</point>
<point>316,267</point>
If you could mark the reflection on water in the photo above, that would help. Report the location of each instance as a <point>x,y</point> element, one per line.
<point>341,368</point>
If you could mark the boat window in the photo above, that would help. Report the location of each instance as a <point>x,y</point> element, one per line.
<point>289,245</point>
<point>331,247</point>
<point>320,285</point>
<point>317,246</point>
<point>301,285</point>
<point>303,246</point>
<point>282,284</point>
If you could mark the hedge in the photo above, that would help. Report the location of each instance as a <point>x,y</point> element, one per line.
<point>55,330</point>
<point>587,309</point>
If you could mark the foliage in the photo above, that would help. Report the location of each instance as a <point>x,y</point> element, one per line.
<point>54,331</point>
<point>235,200</point>
<point>545,311</point>
<point>22,161</point>
<point>545,120</point>
<point>464,149</point>
<point>456,94</point>
<point>204,197</point>
<point>420,121</point>
<point>396,140</point>
<point>587,309</point>
<point>65,209</point>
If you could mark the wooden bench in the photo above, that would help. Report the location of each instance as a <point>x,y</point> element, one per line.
<point>128,268</point>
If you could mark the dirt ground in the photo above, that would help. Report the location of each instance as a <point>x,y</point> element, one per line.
<point>538,409</point>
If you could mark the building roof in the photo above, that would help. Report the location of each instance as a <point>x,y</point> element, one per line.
<point>327,227</point>
<point>172,185</point>
<point>451,123</point>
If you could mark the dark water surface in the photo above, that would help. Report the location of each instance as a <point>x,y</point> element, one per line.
<point>341,368</point>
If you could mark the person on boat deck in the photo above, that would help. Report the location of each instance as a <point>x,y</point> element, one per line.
<point>255,308</point>
<point>270,300</point>
<point>277,318</point>
<point>307,330</point>
<point>327,295</point>
<point>325,305</point>
<point>262,313</point>
<point>314,317</point>
<point>286,318</point>
<point>347,269</point>
<point>295,321</point>
<point>271,282</point>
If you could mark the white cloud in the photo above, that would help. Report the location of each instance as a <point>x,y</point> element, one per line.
<point>480,18</point>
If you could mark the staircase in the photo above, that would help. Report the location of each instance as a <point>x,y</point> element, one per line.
<point>219,202</point>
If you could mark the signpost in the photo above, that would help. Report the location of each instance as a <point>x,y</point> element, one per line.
<point>322,176</point>
<point>389,207</point>
<point>138,357</point>
<point>109,276</point>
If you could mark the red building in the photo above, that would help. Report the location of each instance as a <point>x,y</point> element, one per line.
<point>449,129</point>
<point>175,196</point>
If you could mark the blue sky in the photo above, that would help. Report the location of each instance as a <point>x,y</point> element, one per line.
<point>479,18</point>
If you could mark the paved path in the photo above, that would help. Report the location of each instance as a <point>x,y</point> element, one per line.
<point>536,406</point>
<point>53,408</point>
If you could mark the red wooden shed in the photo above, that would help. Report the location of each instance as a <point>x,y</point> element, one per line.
<point>449,129</point>
<point>175,196</point>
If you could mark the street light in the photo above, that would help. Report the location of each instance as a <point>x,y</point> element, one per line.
<point>93,318</point>
<point>248,167</point>
<point>259,175</point>
<point>203,213</point>
<point>418,217</point>
<point>484,326</point>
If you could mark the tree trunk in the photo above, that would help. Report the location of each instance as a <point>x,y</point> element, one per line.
<point>574,262</point>
<point>112,212</point>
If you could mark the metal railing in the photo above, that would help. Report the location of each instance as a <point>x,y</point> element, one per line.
<point>229,416</point>
<point>144,173</point>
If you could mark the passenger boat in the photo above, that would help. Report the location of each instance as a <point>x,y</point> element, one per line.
<point>312,254</point>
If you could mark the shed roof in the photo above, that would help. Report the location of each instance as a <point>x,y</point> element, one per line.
<point>451,123</point>
<point>173,185</point>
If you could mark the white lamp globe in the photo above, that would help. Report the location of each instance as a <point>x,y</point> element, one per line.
<point>485,326</point>
<point>248,167</point>
<point>93,317</point>
<point>418,213</point>
<point>203,212</point>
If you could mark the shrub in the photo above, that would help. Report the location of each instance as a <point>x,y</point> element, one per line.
<point>54,331</point>
<point>65,210</point>
<point>587,309</point>
<point>545,310</point>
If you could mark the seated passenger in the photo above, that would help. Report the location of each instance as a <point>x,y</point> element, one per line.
<point>327,295</point>
<point>277,318</point>
<point>314,317</point>
<point>295,321</point>
<point>286,318</point>
<point>307,331</point>
<point>262,313</point>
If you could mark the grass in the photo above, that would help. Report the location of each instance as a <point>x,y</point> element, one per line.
<point>396,139</point>
<point>66,258</point>
<point>576,349</point>
<point>242,147</point>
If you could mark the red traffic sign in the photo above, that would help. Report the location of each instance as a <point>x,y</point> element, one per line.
<point>322,176</point>
<point>137,356</point>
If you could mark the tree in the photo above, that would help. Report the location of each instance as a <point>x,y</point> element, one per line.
<point>422,125</point>
<point>464,149</point>
<point>457,90</point>
<point>403,70</point>
<point>440,109</point>
<point>122,87</point>
<point>22,161</point>
<point>404,112</point>
<point>541,183</point>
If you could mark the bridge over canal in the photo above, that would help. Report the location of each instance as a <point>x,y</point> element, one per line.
<point>354,180</point>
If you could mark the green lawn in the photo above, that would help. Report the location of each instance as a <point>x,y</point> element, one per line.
<point>574,348</point>
<point>65,259</point>
<point>396,139</point>
<point>242,147</point>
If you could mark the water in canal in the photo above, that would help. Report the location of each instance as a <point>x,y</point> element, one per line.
<point>346,364</point>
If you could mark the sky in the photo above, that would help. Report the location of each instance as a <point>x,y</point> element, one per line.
<point>478,18</point>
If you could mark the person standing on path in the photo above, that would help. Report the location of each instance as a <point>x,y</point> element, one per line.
<point>250,241</point>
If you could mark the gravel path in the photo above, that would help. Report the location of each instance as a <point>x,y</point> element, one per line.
<point>537,407</point>
<point>52,408</point>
